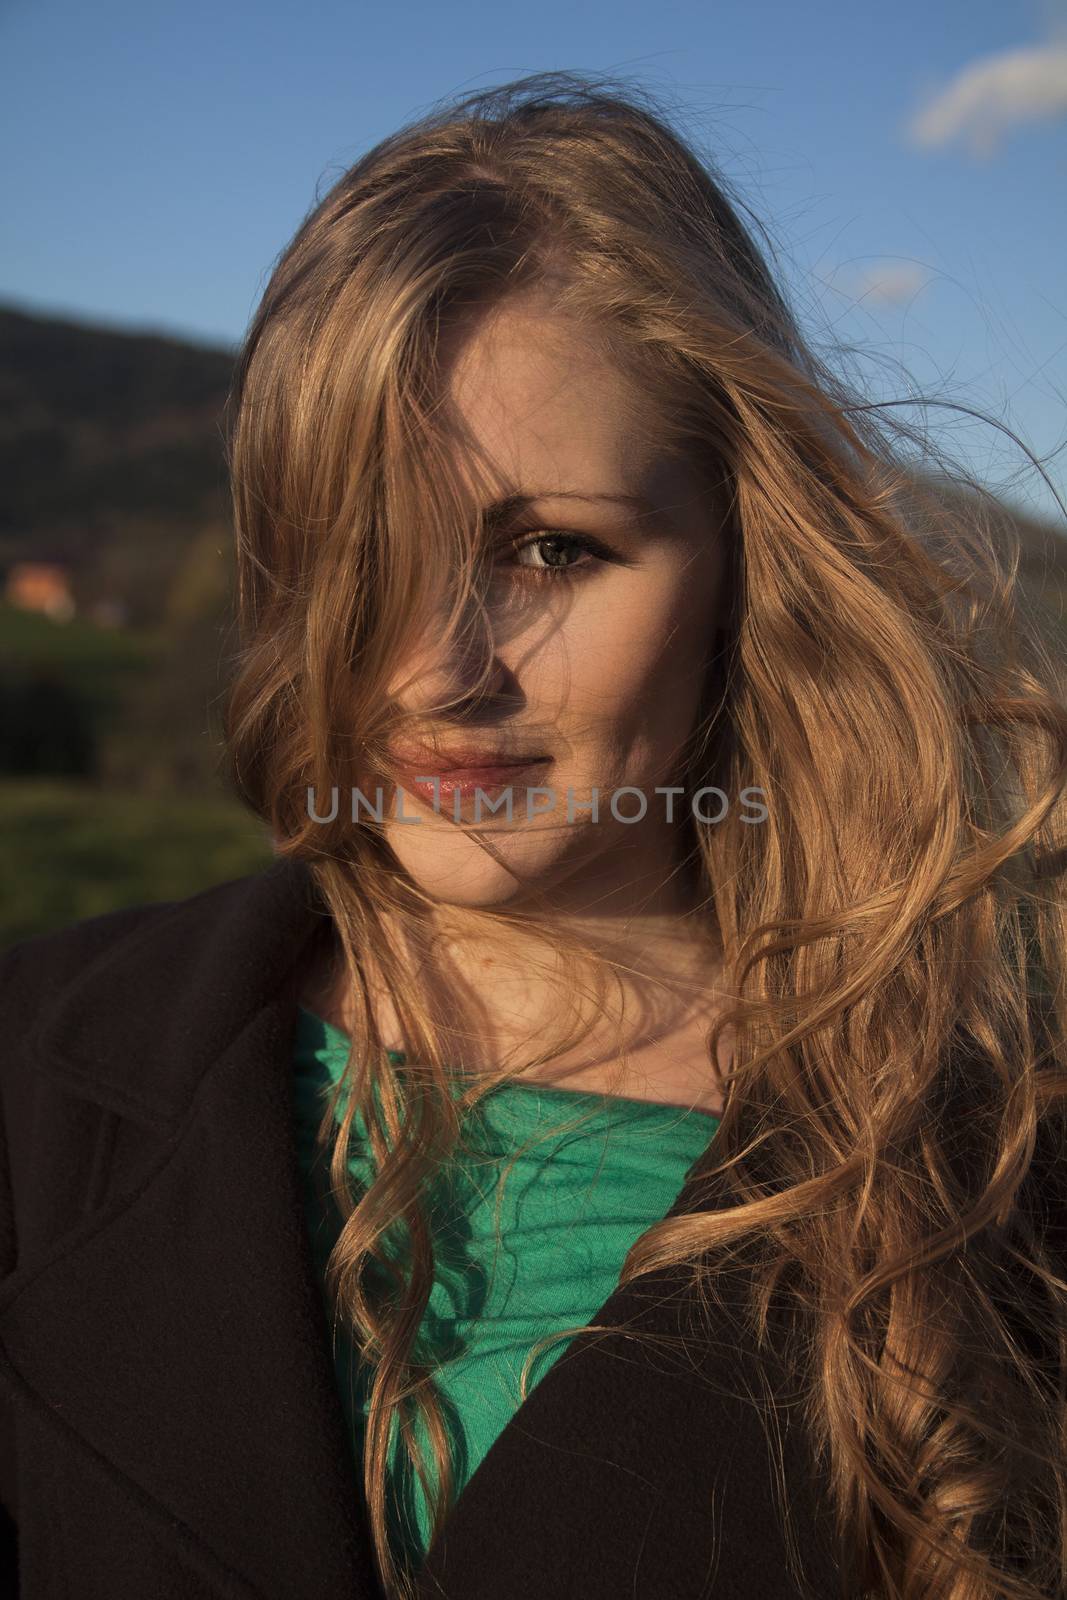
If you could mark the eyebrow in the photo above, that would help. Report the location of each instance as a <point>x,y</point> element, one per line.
<point>501,512</point>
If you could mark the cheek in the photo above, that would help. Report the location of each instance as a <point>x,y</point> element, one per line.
<point>629,652</point>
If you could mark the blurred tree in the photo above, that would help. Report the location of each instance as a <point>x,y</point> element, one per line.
<point>169,737</point>
<point>45,726</point>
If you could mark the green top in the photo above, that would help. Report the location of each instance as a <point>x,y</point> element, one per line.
<point>571,1207</point>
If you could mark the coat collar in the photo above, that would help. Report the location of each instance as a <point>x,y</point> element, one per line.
<point>144,1023</point>
<point>196,1373</point>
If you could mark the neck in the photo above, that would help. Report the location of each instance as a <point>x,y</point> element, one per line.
<point>504,989</point>
<point>648,966</point>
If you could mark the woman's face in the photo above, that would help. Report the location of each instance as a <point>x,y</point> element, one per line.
<point>598,670</point>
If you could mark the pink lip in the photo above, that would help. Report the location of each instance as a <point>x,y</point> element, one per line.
<point>471,760</point>
<point>487,775</point>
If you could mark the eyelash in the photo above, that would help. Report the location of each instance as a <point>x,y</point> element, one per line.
<point>571,570</point>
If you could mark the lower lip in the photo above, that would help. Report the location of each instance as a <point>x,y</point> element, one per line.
<point>466,781</point>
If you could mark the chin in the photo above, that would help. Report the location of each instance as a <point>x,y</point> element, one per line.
<point>458,870</point>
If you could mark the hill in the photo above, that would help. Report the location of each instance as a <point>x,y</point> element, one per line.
<point>111,454</point>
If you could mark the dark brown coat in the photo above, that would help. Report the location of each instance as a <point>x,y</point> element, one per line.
<point>170,1425</point>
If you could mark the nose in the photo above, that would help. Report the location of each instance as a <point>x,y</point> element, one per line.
<point>450,667</point>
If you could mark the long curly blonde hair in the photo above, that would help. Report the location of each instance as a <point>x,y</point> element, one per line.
<point>895,932</point>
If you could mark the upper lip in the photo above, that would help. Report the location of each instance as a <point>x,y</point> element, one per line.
<point>460,760</point>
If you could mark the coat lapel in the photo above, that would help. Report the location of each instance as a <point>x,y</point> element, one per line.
<point>176,1335</point>
<point>642,1470</point>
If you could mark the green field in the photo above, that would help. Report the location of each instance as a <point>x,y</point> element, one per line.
<point>72,849</point>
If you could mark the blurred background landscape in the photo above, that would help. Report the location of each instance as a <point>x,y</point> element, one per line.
<point>903,165</point>
<point>115,610</point>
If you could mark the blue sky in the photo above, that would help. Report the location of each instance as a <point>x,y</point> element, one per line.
<point>910,161</point>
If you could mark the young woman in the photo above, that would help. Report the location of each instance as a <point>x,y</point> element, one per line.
<point>616,1149</point>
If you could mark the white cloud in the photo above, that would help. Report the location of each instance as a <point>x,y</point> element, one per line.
<point>890,282</point>
<point>882,282</point>
<point>994,94</point>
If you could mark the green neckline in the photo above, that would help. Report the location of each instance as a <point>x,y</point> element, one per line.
<point>339,1040</point>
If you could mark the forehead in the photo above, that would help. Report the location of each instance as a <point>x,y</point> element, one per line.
<point>542,406</point>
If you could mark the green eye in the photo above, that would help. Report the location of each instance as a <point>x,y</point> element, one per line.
<point>559,555</point>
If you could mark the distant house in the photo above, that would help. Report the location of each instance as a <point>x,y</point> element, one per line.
<point>41,586</point>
